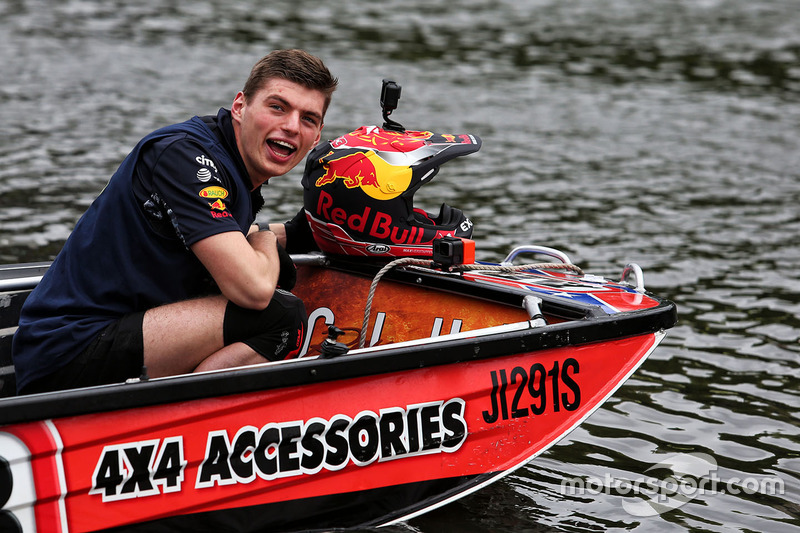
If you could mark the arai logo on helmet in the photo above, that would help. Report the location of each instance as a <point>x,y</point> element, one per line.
<point>378,248</point>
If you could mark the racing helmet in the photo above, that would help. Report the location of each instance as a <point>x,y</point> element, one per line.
<point>359,192</point>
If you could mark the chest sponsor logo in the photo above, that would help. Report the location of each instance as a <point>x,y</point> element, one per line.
<point>208,169</point>
<point>205,161</point>
<point>219,209</point>
<point>219,205</point>
<point>204,174</point>
<point>214,192</point>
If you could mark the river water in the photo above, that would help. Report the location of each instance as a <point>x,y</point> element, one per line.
<point>664,132</point>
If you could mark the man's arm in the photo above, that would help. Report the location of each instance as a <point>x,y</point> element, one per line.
<point>245,268</point>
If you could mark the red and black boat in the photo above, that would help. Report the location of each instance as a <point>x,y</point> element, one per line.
<point>467,376</point>
<point>421,381</point>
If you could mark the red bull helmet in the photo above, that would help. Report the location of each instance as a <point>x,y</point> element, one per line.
<point>359,191</point>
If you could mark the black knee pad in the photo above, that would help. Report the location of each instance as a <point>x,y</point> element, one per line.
<point>275,332</point>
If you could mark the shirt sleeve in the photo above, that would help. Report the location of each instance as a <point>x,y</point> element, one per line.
<point>194,190</point>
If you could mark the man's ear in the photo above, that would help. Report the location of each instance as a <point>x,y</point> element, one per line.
<point>319,135</point>
<point>237,106</point>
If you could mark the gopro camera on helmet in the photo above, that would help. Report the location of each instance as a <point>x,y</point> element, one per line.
<point>390,98</point>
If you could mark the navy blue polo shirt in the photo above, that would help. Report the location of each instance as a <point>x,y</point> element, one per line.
<point>130,251</point>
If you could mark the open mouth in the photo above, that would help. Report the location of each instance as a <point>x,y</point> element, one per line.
<point>281,148</point>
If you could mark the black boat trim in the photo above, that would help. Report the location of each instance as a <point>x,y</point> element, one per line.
<point>314,370</point>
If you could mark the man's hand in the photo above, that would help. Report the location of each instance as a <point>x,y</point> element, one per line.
<point>288,275</point>
<point>280,232</point>
<point>264,240</point>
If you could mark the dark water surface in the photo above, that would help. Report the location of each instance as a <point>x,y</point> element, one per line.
<point>664,132</point>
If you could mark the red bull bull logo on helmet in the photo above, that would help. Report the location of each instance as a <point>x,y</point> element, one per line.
<point>368,171</point>
<point>369,168</point>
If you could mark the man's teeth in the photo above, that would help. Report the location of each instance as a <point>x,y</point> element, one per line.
<point>284,144</point>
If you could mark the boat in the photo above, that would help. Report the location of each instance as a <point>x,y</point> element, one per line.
<point>422,380</point>
<point>467,376</point>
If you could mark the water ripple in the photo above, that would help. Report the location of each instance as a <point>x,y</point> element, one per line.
<point>660,132</point>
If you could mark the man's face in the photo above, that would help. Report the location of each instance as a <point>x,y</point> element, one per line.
<point>277,127</point>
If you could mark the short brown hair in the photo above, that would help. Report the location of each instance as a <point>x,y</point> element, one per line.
<point>297,66</point>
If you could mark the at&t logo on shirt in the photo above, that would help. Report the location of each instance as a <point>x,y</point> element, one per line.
<point>204,174</point>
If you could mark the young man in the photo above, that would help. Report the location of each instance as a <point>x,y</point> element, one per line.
<point>166,269</point>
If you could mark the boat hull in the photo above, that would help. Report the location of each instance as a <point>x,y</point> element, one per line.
<point>360,451</point>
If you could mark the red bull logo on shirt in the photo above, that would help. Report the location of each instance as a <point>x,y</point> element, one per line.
<point>219,209</point>
<point>219,205</point>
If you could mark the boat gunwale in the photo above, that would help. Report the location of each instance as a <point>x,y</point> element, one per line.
<point>357,364</point>
<point>456,283</point>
